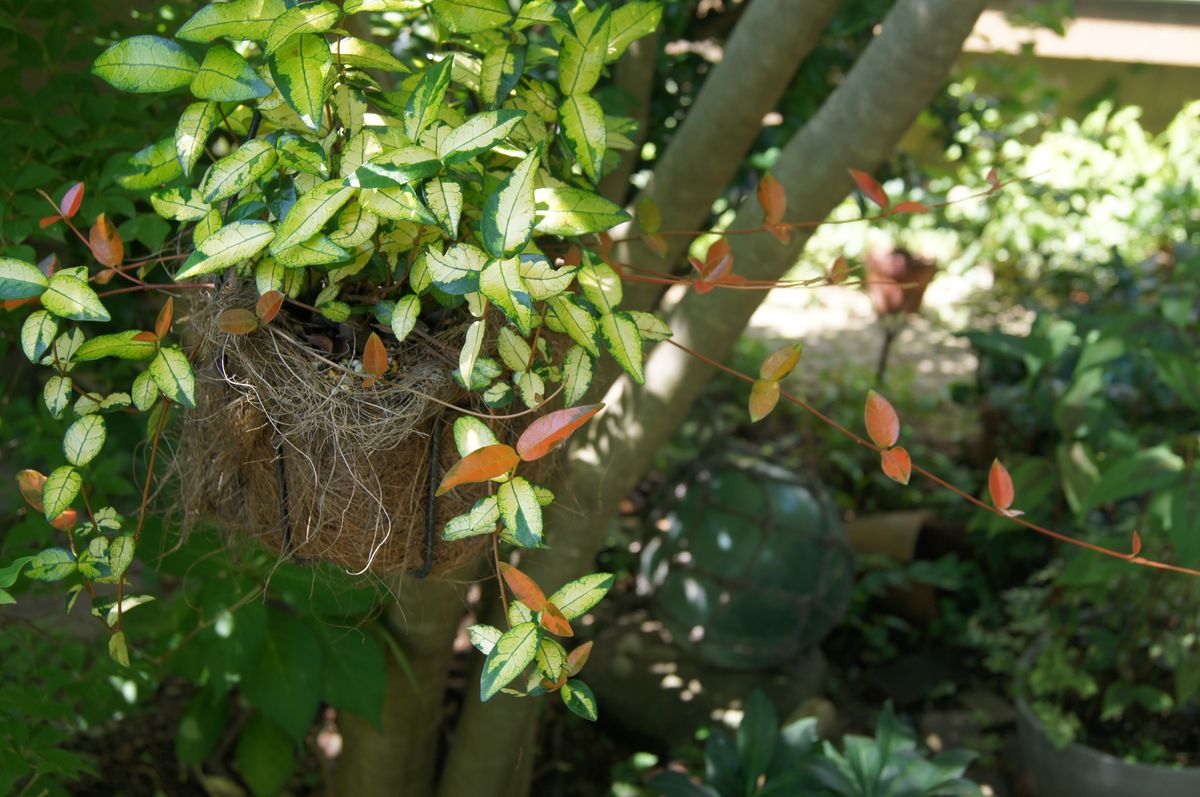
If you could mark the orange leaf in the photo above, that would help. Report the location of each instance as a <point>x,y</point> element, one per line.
<point>656,244</point>
<point>268,306</point>
<point>66,521</point>
<point>70,201</point>
<point>896,464</point>
<point>46,221</point>
<point>105,276</point>
<point>163,325</point>
<point>479,466</point>
<point>763,398</point>
<point>524,587</point>
<point>1135,545</point>
<point>716,256</point>
<point>375,359</point>
<point>781,361</point>
<point>883,425</point>
<point>782,232</point>
<point>555,622</point>
<point>773,198</point>
<point>1000,485</point>
<point>237,321</point>
<point>13,304</point>
<point>870,187</point>
<point>549,431</point>
<point>31,483</point>
<point>573,257</point>
<point>911,207</point>
<point>578,657</point>
<point>146,337</point>
<point>839,271</point>
<point>106,243</point>
<point>993,178</point>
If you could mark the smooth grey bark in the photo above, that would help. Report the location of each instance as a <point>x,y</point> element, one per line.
<point>858,127</point>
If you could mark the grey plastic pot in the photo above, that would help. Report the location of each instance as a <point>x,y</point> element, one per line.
<point>1079,771</point>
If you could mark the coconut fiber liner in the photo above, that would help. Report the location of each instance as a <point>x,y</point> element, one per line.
<point>288,448</point>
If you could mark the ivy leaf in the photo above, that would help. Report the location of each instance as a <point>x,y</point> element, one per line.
<point>309,18</point>
<point>552,430</point>
<point>472,16</point>
<point>512,653</point>
<point>37,334</point>
<point>236,19</point>
<point>20,280</point>
<point>225,76</point>
<point>508,214</point>
<point>172,373</point>
<point>458,270</point>
<point>501,282</point>
<point>195,125</point>
<point>582,56</point>
<point>228,246</point>
<point>480,466</point>
<point>576,321</point>
<point>578,369</point>
<point>238,170</point>
<point>266,757</point>
<point>84,439</point>
<point>284,679</point>
<point>68,296</point>
<point>620,334</point>
<point>303,72</point>
<point>60,490</point>
<point>576,598</point>
<point>565,211</point>
<point>479,134</point>
<point>145,64</point>
<point>578,697</point>
<point>445,201</point>
<point>521,512</point>
<point>425,103</point>
<point>583,130</point>
<point>310,213</point>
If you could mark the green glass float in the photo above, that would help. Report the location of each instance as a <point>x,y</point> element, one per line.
<point>750,566</point>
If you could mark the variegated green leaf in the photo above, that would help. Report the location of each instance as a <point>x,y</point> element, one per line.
<point>481,519</point>
<point>536,12</point>
<point>484,637</point>
<point>355,6</point>
<point>191,133</point>
<point>631,22</point>
<point>445,200</point>
<point>228,246</point>
<point>83,439</point>
<point>513,349</point>
<point>238,170</point>
<point>650,326</point>
<point>578,369</point>
<point>582,123</point>
<point>152,166</point>
<point>543,279</point>
<point>303,72</point>
<point>236,20</point>
<point>478,134</point>
<point>60,490</point>
<point>578,697</point>
<point>500,71</point>
<point>472,434</point>
<point>425,103</point>
<point>620,334</point>
<point>563,210</point>
<point>576,598</point>
<point>531,387</point>
<point>521,512</point>
<point>365,55</point>
<point>472,16</point>
<point>52,564</point>
<point>172,373</point>
<point>457,271</point>
<point>310,213</point>
<point>37,333</point>
<point>513,652</point>
<point>225,76</point>
<point>57,395</point>
<point>470,350</point>
<point>118,344</point>
<point>501,282</point>
<point>404,315</point>
<point>145,64</point>
<point>180,204</point>
<point>144,392</point>
<point>566,314</point>
<point>601,286</point>
<point>551,658</point>
<point>508,214</point>
<point>68,296</point>
<point>316,251</point>
<point>396,168</point>
<point>303,155</point>
<point>20,280</point>
<point>397,204</point>
<point>205,228</point>
<point>309,18</point>
<point>518,613</point>
<point>355,225</point>
<point>582,54</point>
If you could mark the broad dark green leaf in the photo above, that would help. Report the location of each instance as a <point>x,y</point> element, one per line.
<point>265,756</point>
<point>285,680</point>
<point>1150,469</point>
<point>145,64</point>
<point>303,72</point>
<point>354,672</point>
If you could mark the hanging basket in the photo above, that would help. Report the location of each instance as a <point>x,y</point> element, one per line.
<point>287,447</point>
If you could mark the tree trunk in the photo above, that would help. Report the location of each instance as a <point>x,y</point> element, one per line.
<point>857,127</point>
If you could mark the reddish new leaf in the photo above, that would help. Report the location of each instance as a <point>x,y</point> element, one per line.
<point>1135,544</point>
<point>716,256</point>
<point>105,276</point>
<point>163,324</point>
<point>237,321</point>
<point>870,188</point>
<point>549,431</point>
<point>46,221</point>
<point>31,483</point>
<point>897,465</point>
<point>268,306</point>
<point>524,587</point>
<point>1000,485</point>
<point>375,359</point>
<point>780,362</point>
<point>66,521</point>
<point>106,243</point>
<point>911,207</point>
<point>883,425</point>
<point>782,232</point>
<point>71,200</point>
<point>149,337</point>
<point>555,622</point>
<point>773,198</point>
<point>479,466</point>
<point>993,178</point>
<point>763,398</point>
<point>578,657</point>
<point>573,257</point>
<point>839,271</point>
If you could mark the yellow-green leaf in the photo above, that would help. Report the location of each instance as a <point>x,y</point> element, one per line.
<point>582,54</point>
<point>501,282</point>
<point>481,519</point>
<point>578,368</point>
<point>191,133</point>
<point>355,6</point>
<point>470,350</point>
<point>365,55</point>
<point>395,168</point>
<point>37,333</point>
<point>513,349</point>
<point>543,279</point>
<point>172,373</point>
<point>236,19</point>
<point>404,315</point>
<point>471,434</point>
<point>425,103</point>
<point>303,72</point>
<point>601,286</point>
<point>513,652</point>
<point>631,22</point>
<point>145,64</point>
<point>180,204</point>
<point>152,166</point>
<point>309,18</point>
<point>508,214</point>
<point>472,16</point>
<point>650,326</point>
<point>68,296</point>
<point>576,598</point>
<point>457,271</point>
<point>20,280</point>
<point>500,71</point>
<point>60,490</point>
<point>583,129</point>
<point>620,334</point>
<point>310,213</point>
<point>551,658</point>
<point>521,512</point>
<point>576,321</point>
<point>445,200</point>
<point>578,697</point>
<point>484,637</point>
<point>57,395</point>
<point>238,170</point>
<point>228,246</point>
<point>302,154</point>
<point>52,564</point>
<point>84,439</point>
<point>316,251</point>
<point>225,76</point>
<point>479,134</point>
<point>144,392</point>
<point>562,210</point>
<point>119,344</point>
<point>397,204</point>
<point>118,649</point>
